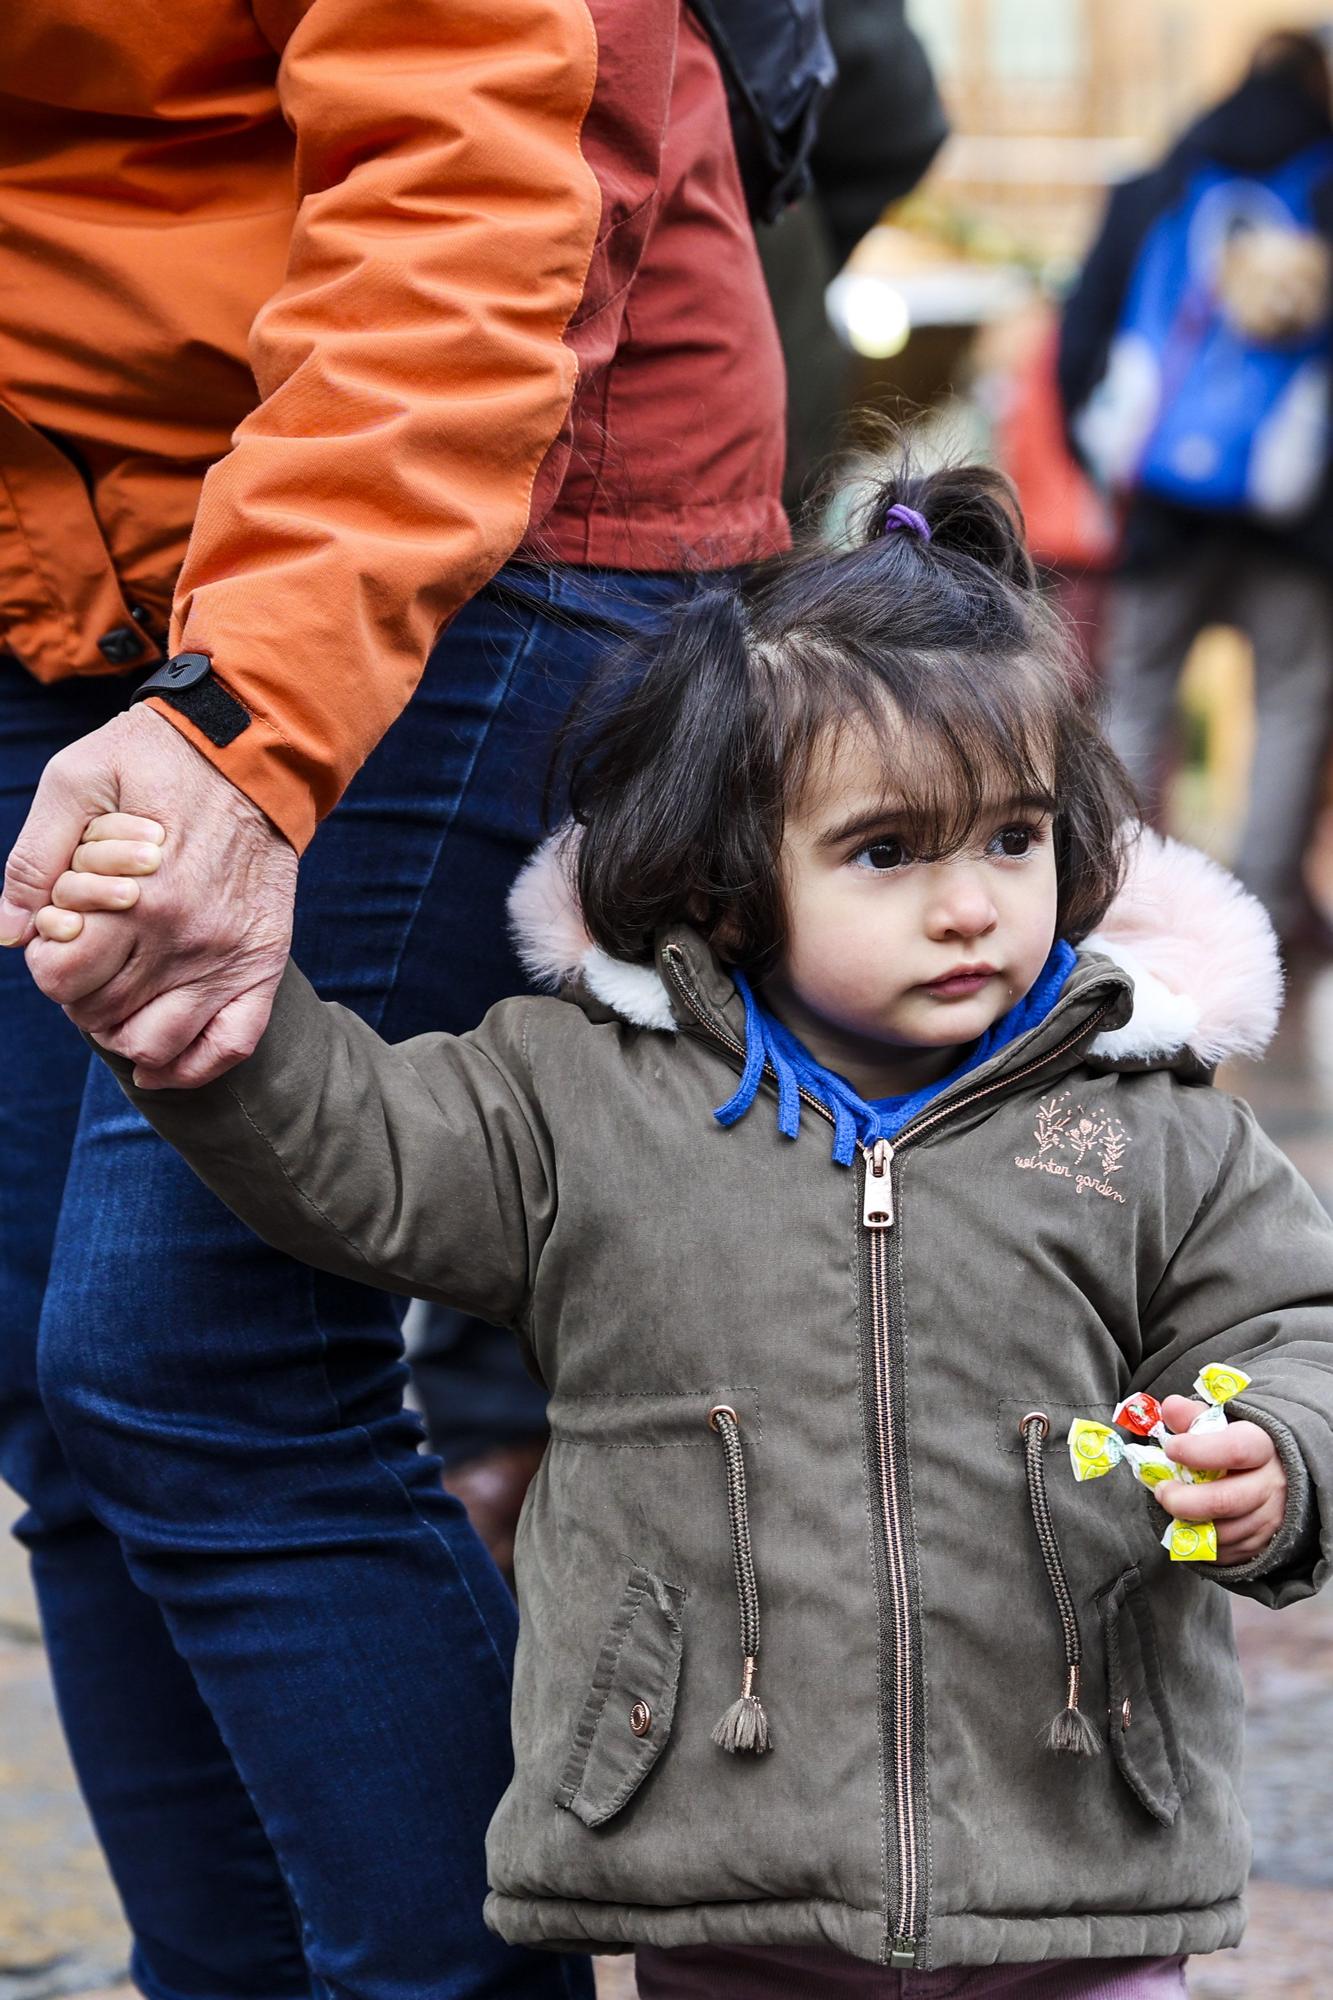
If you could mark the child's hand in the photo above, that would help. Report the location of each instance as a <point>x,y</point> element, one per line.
<point>115,850</point>
<point>1249,1505</point>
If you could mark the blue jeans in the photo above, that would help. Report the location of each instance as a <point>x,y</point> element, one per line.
<point>281,1656</point>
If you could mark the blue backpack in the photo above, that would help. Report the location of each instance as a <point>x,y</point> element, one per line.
<point>1216,390</point>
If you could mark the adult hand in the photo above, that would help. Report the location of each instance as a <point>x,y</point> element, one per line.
<point>183,985</point>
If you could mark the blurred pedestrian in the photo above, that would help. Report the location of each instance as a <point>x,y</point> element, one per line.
<point>493,269</point>
<point>881,127</point>
<point>1195,369</point>
<point>865,1144</point>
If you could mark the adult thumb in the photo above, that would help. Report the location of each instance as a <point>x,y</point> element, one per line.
<point>72,790</point>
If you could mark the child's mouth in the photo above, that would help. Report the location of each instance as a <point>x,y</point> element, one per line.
<point>964,979</point>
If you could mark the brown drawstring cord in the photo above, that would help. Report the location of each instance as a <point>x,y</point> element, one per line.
<point>1071,1732</point>
<point>745,1725</point>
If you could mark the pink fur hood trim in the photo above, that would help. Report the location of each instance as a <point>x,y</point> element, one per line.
<point>1199,949</point>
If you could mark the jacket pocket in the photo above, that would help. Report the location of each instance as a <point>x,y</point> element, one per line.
<point>1143,1738</point>
<point>626,1720</point>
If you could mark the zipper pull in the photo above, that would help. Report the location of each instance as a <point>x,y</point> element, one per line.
<point>877,1200</point>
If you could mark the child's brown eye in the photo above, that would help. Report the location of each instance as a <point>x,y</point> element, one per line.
<point>1016,841</point>
<point>882,855</point>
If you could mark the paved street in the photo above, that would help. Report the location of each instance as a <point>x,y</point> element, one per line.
<point>60,1932</point>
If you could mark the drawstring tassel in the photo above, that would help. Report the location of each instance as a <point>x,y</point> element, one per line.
<point>1070,1734</point>
<point>744,1726</point>
<point>743,1730</point>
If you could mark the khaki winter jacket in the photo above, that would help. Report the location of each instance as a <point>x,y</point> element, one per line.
<point>1078,1218</point>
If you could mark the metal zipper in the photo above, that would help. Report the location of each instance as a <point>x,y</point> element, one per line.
<point>877,1216</point>
<point>877,1219</point>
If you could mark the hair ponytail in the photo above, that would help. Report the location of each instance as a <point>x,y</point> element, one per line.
<point>675,776</point>
<point>971,512</point>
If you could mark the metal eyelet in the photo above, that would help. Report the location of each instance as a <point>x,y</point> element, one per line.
<point>1126,1712</point>
<point>721,1410</point>
<point>1035,1417</point>
<point>641,1718</point>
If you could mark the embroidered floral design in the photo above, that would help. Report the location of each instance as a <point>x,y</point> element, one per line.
<point>1086,1135</point>
<point>1052,1119</point>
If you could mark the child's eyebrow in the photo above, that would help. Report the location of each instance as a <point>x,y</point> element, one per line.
<point>890,813</point>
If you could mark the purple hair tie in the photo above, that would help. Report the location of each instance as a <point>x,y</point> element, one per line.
<point>899,516</point>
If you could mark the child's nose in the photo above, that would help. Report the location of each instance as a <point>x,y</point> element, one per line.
<point>961,907</point>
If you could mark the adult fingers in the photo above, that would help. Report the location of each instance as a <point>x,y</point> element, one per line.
<point>68,973</point>
<point>155,1034</point>
<point>76,786</point>
<point>82,891</point>
<point>117,857</point>
<point>1234,1447</point>
<point>232,1035</point>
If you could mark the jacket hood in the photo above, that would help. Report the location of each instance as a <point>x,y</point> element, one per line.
<point>1268,120</point>
<point>1199,949</point>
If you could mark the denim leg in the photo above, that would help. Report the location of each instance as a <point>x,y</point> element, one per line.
<point>238,1422</point>
<point>470,1382</point>
<point>195,1871</point>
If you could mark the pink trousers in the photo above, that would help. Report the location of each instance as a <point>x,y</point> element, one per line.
<point>713,1972</point>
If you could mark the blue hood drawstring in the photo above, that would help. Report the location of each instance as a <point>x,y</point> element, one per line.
<point>768,1043</point>
<point>856,1122</point>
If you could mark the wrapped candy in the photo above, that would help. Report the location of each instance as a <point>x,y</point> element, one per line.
<point>1218,1383</point>
<point>1141,1414</point>
<point>1095,1449</point>
<point>1191,1542</point>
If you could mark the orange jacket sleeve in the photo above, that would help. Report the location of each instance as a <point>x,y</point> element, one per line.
<point>412,371</point>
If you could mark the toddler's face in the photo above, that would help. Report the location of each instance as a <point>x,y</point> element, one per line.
<point>892,963</point>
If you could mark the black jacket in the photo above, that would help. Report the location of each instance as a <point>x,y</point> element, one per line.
<point>778,65</point>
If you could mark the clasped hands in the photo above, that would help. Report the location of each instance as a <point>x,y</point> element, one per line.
<point>153,901</point>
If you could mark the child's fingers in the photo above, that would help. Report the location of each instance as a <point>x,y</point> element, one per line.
<point>1218,1500</point>
<point>124,826</point>
<point>1180,1412</point>
<point>117,857</point>
<point>60,926</point>
<point>94,892</point>
<point>1238,1447</point>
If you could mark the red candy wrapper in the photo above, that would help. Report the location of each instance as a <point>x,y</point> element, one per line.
<point>1141,1414</point>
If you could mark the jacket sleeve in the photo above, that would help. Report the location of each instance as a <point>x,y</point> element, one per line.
<point>412,372</point>
<point>422,1167</point>
<point>1252,1282</point>
<point>1092,310</point>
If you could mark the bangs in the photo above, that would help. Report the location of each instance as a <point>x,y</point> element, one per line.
<point>957,740</point>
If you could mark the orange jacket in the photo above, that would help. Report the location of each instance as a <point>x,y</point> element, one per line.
<point>487,262</point>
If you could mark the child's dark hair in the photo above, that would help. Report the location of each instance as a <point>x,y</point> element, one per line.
<point>684,757</point>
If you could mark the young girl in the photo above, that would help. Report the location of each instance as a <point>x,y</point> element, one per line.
<point>867,1145</point>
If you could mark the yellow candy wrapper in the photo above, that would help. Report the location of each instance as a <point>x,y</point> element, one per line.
<point>1191,1542</point>
<point>1219,1382</point>
<point>1150,1464</point>
<point>1094,1449</point>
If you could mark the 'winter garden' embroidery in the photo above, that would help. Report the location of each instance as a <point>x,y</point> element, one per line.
<point>1078,1145</point>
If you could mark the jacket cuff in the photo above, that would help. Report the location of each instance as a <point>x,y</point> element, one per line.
<point>260,763</point>
<point>1285,1569</point>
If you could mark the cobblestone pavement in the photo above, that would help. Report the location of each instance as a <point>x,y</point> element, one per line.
<point>61,1933</point>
